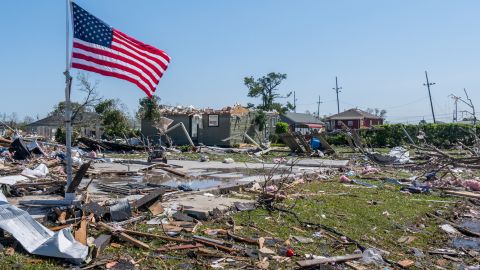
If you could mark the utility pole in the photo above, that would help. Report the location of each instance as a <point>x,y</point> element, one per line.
<point>318,107</point>
<point>455,112</point>
<point>430,95</point>
<point>337,89</point>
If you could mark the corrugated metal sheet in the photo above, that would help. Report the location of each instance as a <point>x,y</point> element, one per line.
<point>37,239</point>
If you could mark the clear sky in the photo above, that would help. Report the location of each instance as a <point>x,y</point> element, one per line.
<point>378,49</point>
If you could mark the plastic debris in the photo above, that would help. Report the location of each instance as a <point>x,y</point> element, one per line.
<point>40,171</point>
<point>372,256</point>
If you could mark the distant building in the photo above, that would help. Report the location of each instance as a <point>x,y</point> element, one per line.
<point>224,127</point>
<point>88,123</point>
<point>354,119</point>
<point>302,122</point>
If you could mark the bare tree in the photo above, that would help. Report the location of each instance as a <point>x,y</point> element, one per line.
<point>91,94</point>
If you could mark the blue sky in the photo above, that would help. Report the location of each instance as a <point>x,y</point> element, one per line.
<point>378,49</point>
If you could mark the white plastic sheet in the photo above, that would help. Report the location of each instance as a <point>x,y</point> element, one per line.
<point>40,171</point>
<point>37,239</point>
<point>401,154</point>
<point>12,179</point>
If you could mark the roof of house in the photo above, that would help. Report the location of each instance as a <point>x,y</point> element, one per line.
<point>353,114</point>
<point>304,118</point>
<point>58,120</point>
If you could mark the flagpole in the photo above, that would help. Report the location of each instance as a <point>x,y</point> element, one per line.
<point>68,111</point>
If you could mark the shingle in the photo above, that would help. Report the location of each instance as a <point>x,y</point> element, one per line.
<point>302,118</point>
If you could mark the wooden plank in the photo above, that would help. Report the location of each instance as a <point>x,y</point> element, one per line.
<point>463,193</point>
<point>305,144</point>
<point>150,235</point>
<point>242,239</point>
<point>328,149</point>
<point>214,243</point>
<point>156,208</point>
<point>125,237</point>
<point>81,232</point>
<point>148,199</point>
<point>335,259</point>
<point>179,247</point>
<point>78,177</point>
<point>101,243</point>
<point>176,172</point>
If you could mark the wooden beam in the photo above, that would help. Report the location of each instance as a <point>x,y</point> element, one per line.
<point>150,235</point>
<point>335,259</point>
<point>78,177</point>
<point>180,247</point>
<point>125,237</point>
<point>148,199</point>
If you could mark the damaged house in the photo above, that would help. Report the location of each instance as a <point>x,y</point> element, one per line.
<point>225,127</point>
<point>302,122</point>
<point>354,119</point>
<point>89,125</point>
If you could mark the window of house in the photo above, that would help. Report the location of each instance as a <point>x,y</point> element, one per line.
<point>213,120</point>
<point>370,122</point>
<point>350,123</point>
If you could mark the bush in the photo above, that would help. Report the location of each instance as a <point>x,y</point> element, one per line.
<point>390,135</point>
<point>281,128</point>
<point>337,139</point>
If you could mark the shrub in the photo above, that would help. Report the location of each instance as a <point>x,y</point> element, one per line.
<point>390,135</point>
<point>281,128</point>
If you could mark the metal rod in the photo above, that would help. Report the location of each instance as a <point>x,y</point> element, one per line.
<point>68,112</point>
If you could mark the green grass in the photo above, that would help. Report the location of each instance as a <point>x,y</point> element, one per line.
<point>350,210</point>
<point>347,209</point>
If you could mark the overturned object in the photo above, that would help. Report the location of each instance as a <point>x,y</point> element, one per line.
<point>21,150</point>
<point>38,240</point>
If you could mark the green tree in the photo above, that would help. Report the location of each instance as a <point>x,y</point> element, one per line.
<point>260,120</point>
<point>114,120</point>
<point>149,108</point>
<point>266,88</point>
<point>60,135</point>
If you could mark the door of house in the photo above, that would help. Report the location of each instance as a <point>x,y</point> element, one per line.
<point>195,125</point>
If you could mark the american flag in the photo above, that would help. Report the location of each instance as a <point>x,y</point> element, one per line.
<point>99,48</point>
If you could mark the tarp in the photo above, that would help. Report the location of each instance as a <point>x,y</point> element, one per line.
<point>38,240</point>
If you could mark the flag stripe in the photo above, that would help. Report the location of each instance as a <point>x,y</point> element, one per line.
<point>120,42</point>
<point>154,66</point>
<point>76,63</point>
<point>118,54</point>
<point>139,53</point>
<point>115,64</point>
<point>91,49</point>
<point>97,47</point>
<point>154,52</point>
